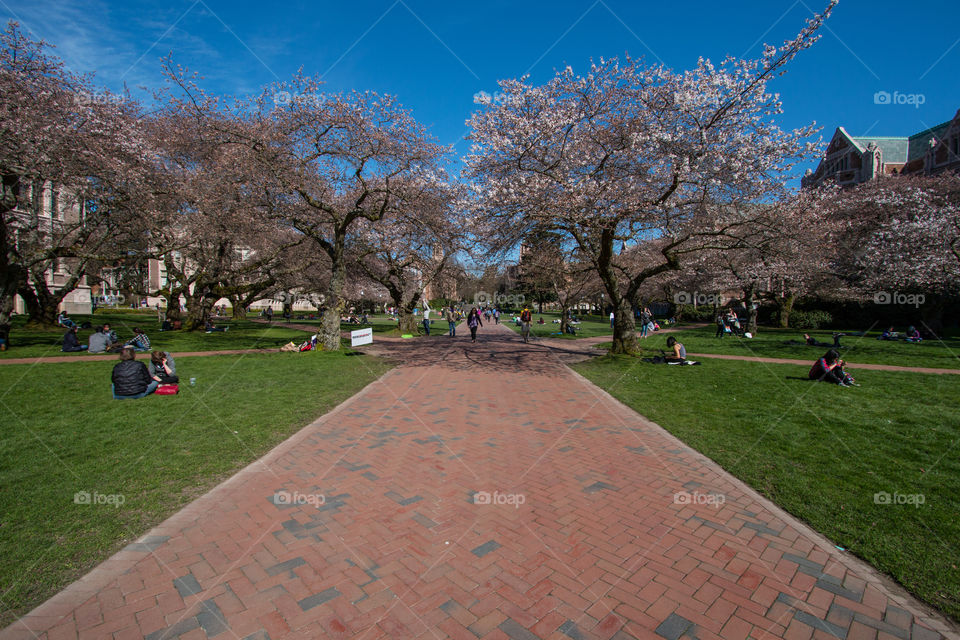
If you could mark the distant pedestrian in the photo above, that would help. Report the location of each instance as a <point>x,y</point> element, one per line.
<point>473,321</point>
<point>496,316</point>
<point>611,319</point>
<point>426,319</point>
<point>526,316</point>
<point>269,313</point>
<point>451,317</point>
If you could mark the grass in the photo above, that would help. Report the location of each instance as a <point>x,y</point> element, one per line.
<point>773,343</point>
<point>590,327</point>
<point>61,433</point>
<point>821,452</point>
<point>243,334</point>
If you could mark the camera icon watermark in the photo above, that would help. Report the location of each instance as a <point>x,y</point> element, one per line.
<point>916,499</point>
<point>497,498</point>
<point>710,299</point>
<point>85,497</point>
<point>711,499</point>
<point>885,97</point>
<point>297,498</point>
<point>895,297</point>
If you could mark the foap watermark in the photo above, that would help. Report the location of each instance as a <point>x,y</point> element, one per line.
<point>88,97</point>
<point>285,497</point>
<point>497,498</point>
<point>916,499</point>
<point>696,297</point>
<point>895,297</point>
<point>497,98</point>
<point>287,98</point>
<point>885,97</point>
<point>85,497</point>
<point>482,298</point>
<point>712,499</point>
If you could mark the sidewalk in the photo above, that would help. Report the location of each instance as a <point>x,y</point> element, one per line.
<point>482,491</point>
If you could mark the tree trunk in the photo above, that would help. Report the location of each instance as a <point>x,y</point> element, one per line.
<point>784,309</point>
<point>173,304</point>
<point>624,329</point>
<point>330,325</point>
<point>198,310</point>
<point>7,297</point>
<point>751,311</point>
<point>39,315</point>
<point>564,319</point>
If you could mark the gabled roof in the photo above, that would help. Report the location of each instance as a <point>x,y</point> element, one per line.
<point>894,149</point>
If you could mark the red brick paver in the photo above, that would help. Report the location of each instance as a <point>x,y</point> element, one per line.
<point>481,491</point>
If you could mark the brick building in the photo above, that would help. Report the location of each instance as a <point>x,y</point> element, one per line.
<point>850,160</point>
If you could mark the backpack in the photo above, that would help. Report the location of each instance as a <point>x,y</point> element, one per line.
<point>526,316</point>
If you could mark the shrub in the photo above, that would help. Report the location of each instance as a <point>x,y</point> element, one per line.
<point>690,313</point>
<point>813,319</point>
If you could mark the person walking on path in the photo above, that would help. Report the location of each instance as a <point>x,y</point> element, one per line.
<point>473,321</point>
<point>611,319</point>
<point>269,313</point>
<point>526,317</point>
<point>451,317</point>
<point>496,316</point>
<point>426,319</point>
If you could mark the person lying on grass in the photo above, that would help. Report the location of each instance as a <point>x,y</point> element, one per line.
<point>913,335</point>
<point>131,379</point>
<point>888,334</point>
<point>810,341</point>
<point>829,368</point>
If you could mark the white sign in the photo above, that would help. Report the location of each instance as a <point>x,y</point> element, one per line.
<point>361,336</point>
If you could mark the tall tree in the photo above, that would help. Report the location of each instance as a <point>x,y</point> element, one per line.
<point>629,152</point>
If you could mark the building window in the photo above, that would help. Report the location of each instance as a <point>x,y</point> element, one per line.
<point>54,202</point>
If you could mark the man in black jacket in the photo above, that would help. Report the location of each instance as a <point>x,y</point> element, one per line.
<point>71,342</point>
<point>131,380</point>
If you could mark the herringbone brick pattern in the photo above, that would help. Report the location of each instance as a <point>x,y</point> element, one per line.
<point>481,491</point>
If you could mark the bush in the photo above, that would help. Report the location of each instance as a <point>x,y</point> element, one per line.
<point>813,319</point>
<point>690,313</point>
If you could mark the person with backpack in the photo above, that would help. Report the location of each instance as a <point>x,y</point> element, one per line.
<point>473,321</point>
<point>526,317</point>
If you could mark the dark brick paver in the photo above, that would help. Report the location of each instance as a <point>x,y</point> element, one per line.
<point>579,532</point>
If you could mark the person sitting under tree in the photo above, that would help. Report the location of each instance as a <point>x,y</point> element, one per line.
<point>71,342</point>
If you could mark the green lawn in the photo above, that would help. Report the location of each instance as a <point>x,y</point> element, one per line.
<point>590,327</point>
<point>822,452</point>
<point>242,334</point>
<point>773,343</point>
<point>62,433</point>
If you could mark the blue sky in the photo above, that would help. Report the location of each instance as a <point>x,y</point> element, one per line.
<point>436,55</point>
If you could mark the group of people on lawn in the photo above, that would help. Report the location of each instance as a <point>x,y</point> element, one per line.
<point>132,379</point>
<point>104,340</point>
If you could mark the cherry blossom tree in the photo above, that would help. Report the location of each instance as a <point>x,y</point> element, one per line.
<point>629,153</point>
<point>339,161</point>
<point>69,160</point>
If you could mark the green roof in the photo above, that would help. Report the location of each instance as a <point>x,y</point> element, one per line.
<point>893,149</point>
<point>920,142</point>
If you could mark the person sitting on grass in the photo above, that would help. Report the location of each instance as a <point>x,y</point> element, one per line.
<point>829,368</point>
<point>139,341</point>
<point>110,333</point>
<point>913,335</point>
<point>210,327</point>
<point>679,351</point>
<point>71,342</point>
<point>98,342</point>
<point>162,368</point>
<point>131,379</point>
<point>888,334</point>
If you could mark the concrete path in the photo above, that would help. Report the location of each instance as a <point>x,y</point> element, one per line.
<point>482,491</point>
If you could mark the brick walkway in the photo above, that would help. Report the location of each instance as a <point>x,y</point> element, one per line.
<point>369,523</point>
